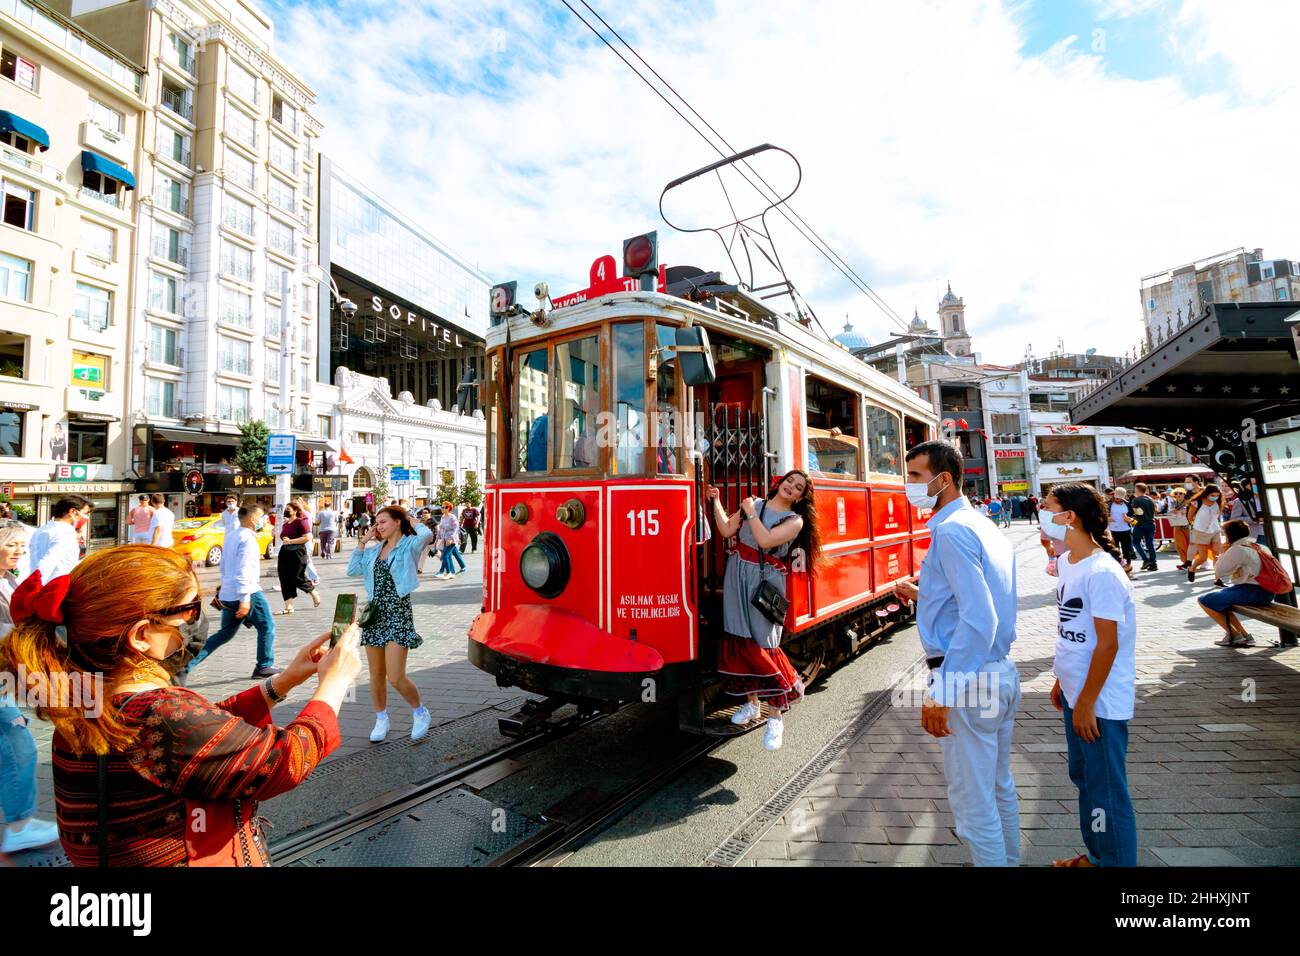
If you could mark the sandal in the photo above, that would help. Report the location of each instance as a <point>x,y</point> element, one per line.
<point>315,599</point>
<point>1080,860</point>
<point>283,611</point>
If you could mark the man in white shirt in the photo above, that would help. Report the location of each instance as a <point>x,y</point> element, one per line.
<point>241,595</point>
<point>160,528</point>
<point>55,548</point>
<point>230,517</point>
<point>328,519</point>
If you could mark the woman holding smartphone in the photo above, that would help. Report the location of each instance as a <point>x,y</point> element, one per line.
<point>387,558</point>
<point>1096,671</point>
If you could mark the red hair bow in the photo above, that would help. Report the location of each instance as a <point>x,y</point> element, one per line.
<point>33,598</point>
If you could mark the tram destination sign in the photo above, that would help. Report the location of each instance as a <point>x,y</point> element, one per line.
<point>604,279</point>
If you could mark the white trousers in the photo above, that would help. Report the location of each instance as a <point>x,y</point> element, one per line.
<point>977,765</point>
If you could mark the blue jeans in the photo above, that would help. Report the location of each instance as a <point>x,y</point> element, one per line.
<point>258,616</point>
<point>17,766</point>
<point>448,552</point>
<point>1144,541</point>
<point>1106,818</point>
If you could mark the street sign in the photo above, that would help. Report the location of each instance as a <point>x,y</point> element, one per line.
<point>70,472</point>
<point>194,481</point>
<point>281,450</point>
<point>400,473</point>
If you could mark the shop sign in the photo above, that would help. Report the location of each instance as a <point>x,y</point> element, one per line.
<point>1069,471</point>
<point>972,471</point>
<point>1014,485</point>
<point>7,490</point>
<point>194,481</point>
<point>1279,457</point>
<point>398,314</point>
<point>1009,453</point>
<point>94,488</point>
<point>18,407</point>
<point>71,472</point>
<point>94,417</point>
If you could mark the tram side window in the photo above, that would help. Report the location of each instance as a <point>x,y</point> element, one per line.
<point>532,407</point>
<point>629,398</point>
<point>577,374</point>
<point>491,405</point>
<point>833,440</point>
<point>883,437</point>
<point>667,413</point>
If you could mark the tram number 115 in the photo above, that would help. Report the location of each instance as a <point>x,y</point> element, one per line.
<point>648,521</point>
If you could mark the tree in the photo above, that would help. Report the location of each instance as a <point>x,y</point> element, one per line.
<point>447,490</point>
<point>250,456</point>
<point>380,490</point>
<point>471,492</point>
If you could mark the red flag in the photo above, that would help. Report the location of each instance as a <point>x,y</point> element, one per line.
<point>344,457</point>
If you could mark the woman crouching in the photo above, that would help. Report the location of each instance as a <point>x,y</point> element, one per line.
<point>749,655</point>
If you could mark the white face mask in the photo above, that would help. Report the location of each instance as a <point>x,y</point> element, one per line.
<point>1188,485</point>
<point>1047,521</point>
<point>917,493</point>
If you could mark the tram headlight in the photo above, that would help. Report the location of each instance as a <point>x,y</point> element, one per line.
<point>544,565</point>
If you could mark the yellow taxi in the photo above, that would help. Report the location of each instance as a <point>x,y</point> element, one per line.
<point>200,539</point>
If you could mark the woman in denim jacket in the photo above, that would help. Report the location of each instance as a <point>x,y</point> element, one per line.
<point>387,558</point>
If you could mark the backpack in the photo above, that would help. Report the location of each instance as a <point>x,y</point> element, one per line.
<point>1272,576</point>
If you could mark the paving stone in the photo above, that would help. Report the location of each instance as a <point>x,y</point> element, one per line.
<point>834,834</point>
<point>921,835</point>
<point>1197,856</point>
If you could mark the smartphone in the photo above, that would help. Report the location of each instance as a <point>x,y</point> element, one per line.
<point>345,612</point>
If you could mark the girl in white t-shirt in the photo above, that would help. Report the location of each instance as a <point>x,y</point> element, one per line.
<point>1096,670</point>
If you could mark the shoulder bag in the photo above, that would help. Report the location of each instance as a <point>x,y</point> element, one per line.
<point>770,600</point>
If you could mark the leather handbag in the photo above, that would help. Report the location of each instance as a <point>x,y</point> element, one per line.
<point>770,600</point>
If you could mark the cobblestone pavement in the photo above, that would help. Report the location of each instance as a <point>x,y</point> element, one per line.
<point>1214,752</point>
<point>450,686</point>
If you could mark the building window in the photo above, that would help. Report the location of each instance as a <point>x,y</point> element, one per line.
<point>241,82</point>
<point>283,155</point>
<point>276,275</point>
<point>172,245</point>
<point>236,356</point>
<point>884,441</point>
<point>172,195</point>
<point>13,354</point>
<point>160,398</point>
<point>279,236</point>
<point>300,422</point>
<point>833,442</point>
<point>241,127</point>
<point>236,261</point>
<point>240,170</point>
<point>104,116</point>
<point>87,442</point>
<point>177,99</point>
<point>20,206</point>
<point>15,277</point>
<point>236,308</point>
<point>97,240</point>
<point>1061,449</point>
<point>273,367</point>
<point>11,433</point>
<point>232,403</point>
<point>304,377</point>
<point>308,300</point>
<point>284,113</point>
<point>23,72</point>
<point>237,215</point>
<point>283,195</point>
<point>163,345</point>
<point>324,426</point>
<point>174,145</point>
<point>89,372</point>
<point>184,53</point>
<point>99,187</point>
<point>93,307</point>
<point>163,293</point>
<point>21,143</point>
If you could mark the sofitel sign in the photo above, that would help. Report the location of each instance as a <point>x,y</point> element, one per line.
<point>398,314</point>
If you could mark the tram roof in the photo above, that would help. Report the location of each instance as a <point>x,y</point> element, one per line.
<point>768,328</point>
<point>1236,361</point>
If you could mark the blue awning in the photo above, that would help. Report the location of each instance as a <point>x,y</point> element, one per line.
<point>9,123</point>
<point>93,162</point>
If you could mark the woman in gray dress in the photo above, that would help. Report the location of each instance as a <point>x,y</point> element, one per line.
<point>749,655</point>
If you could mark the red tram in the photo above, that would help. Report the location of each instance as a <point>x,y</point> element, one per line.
<point>607,417</point>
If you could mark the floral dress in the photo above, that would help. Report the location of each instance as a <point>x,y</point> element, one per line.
<point>393,621</point>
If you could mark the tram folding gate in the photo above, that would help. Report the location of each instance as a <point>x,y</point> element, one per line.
<point>738,466</point>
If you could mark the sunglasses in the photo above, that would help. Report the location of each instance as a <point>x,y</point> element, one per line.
<point>190,612</point>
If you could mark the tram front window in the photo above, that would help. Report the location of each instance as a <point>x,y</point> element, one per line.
<point>667,453</point>
<point>577,372</point>
<point>532,407</point>
<point>629,398</point>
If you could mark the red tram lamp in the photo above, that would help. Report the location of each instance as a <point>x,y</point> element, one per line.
<point>641,259</point>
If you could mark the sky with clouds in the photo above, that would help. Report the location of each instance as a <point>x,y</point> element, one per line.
<point>1043,155</point>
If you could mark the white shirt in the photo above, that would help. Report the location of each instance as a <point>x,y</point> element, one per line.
<point>1096,587</point>
<point>240,565</point>
<point>328,519</point>
<point>163,519</point>
<point>53,550</point>
<point>1119,516</point>
<point>230,520</point>
<point>1207,517</point>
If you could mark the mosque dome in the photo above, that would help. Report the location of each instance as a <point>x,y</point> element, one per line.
<point>852,339</point>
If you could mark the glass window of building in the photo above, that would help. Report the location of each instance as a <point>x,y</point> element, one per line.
<point>237,215</point>
<point>532,407</point>
<point>164,344</point>
<point>273,366</point>
<point>324,426</point>
<point>236,261</point>
<point>284,112</point>
<point>101,188</point>
<point>283,155</point>
<point>308,305</point>
<point>21,71</point>
<point>240,170</point>
<point>13,355</point>
<point>884,441</point>
<point>241,82</point>
<point>172,195</point>
<point>283,195</point>
<point>104,116</point>
<point>273,320</point>
<point>279,236</point>
<point>160,398</point>
<point>577,392</point>
<point>172,245</point>
<point>15,277</point>
<point>93,307</point>
<point>241,127</point>
<point>19,206</point>
<point>235,355</point>
<point>276,275</point>
<point>163,293</point>
<point>183,50</point>
<point>629,398</point>
<point>89,371</point>
<point>232,403</point>
<point>236,307</point>
<point>11,433</point>
<point>173,145</point>
<point>1061,449</point>
<point>87,442</point>
<point>833,438</point>
<point>668,420</point>
<point>97,239</point>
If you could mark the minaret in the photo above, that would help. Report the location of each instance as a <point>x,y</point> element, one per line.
<point>952,324</point>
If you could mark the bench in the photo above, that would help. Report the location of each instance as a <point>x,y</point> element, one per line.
<point>1282,616</point>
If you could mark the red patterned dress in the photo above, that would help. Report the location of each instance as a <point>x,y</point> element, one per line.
<point>185,792</point>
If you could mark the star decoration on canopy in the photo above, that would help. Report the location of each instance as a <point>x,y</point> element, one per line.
<point>1171,389</point>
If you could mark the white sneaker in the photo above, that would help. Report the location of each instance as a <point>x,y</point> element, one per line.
<point>772,739</point>
<point>419,723</point>
<point>745,714</point>
<point>35,833</point>
<point>380,730</point>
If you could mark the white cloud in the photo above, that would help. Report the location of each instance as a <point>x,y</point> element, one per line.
<point>932,148</point>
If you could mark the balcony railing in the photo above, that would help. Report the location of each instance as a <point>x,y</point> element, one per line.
<point>237,364</point>
<point>236,318</point>
<point>92,323</point>
<point>21,159</point>
<point>173,409</point>
<point>233,413</point>
<point>174,357</point>
<point>108,199</point>
<point>162,250</point>
<point>178,104</point>
<point>282,244</point>
<point>238,222</point>
<point>237,270</point>
<point>186,61</point>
